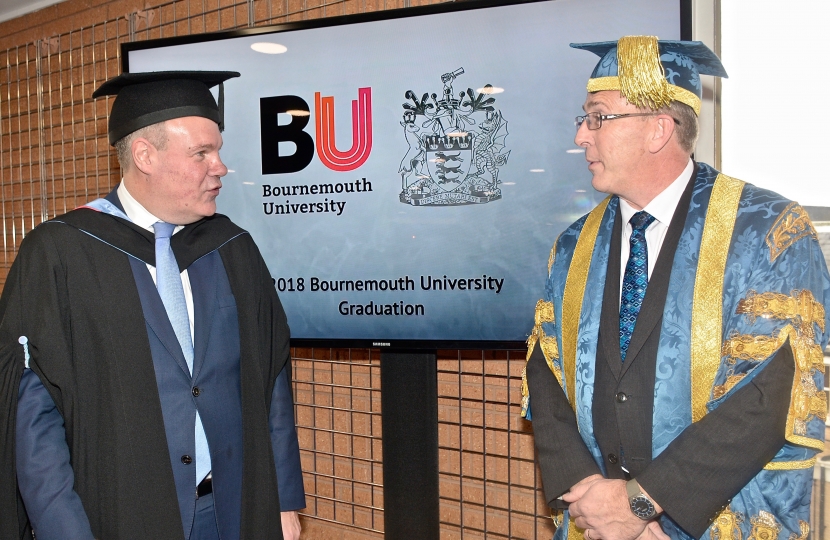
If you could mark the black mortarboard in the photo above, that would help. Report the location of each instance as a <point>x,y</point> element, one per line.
<point>651,72</point>
<point>143,99</point>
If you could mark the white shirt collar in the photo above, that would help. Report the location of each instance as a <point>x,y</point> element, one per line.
<point>136,212</point>
<point>662,206</point>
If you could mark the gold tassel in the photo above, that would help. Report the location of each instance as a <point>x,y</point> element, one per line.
<point>642,79</point>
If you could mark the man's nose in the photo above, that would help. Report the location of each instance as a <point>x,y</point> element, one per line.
<point>219,168</point>
<point>583,134</point>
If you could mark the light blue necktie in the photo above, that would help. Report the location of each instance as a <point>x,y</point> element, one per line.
<point>635,280</point>
<point>171,290</point>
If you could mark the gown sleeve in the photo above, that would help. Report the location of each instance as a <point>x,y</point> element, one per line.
<point>285,445</point>
<point>44,473</point>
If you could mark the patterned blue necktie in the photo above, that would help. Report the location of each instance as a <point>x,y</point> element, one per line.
<point>171,291</point>
<point>635,279</point>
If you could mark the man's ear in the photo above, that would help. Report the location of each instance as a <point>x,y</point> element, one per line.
<point>145,155</point>
<point>661,135</point>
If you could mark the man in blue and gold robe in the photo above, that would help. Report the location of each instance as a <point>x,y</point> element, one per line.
<point>675,370</point>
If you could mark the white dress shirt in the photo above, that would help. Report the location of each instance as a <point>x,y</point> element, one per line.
<point>662,207</point>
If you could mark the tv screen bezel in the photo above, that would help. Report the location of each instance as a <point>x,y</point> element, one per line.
<point>397,345</point>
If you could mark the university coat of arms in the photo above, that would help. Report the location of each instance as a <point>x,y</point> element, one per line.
<point>456,146</point>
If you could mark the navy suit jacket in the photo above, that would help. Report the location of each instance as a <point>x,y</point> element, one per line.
<point>44,471</point>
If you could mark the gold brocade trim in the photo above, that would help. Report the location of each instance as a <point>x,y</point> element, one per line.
<point>805,531</point>
<point>574,293</point>
<point>551,351</point>
<point>727,526</point>
<point>748,347</point>
<point>818,406</point>
<point>790,465</point>
<point>792,225</point>
<point>808,442</point>
<point>574,532</point>
<point>548,344</point>
<point>552,256</point>
<point>525,393</point>
<point>642,77</point>
<point>764,527</point>
<point>800,307</point>
<point>677,93</point>
<point>544,312</point>
<point>721,389</point>
<point>603,83</point>
<point>707,304</point>
<point>807,401</point>
<point>684,96</point>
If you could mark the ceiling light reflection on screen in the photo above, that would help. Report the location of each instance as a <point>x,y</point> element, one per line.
<point>267,47</point>
<point>490,90</point>
<point>297,112</point>
<point>537,170</point>
<point>575,151</point>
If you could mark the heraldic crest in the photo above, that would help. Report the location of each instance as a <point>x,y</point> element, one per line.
<point>455,148</point>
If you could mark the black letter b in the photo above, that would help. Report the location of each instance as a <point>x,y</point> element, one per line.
<point>271,134</point>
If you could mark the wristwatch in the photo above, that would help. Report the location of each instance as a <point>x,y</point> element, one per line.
<point>640,504</point>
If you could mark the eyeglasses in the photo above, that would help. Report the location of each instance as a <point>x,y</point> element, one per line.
<point>595,119</point>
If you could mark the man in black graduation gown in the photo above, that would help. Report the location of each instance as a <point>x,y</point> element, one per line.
<point>146,377</point>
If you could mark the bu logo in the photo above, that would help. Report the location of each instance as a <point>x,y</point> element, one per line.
<point>272,133</point>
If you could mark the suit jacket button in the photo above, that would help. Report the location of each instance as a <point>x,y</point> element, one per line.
<point>621,397</point>
<point>187,460</point>
<point>612,459</point>
<point>196,391</point>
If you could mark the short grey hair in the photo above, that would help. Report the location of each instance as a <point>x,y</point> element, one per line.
<point>687,125</point>
<point>155,133</point>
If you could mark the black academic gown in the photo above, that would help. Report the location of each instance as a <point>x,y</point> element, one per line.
<point>74,297</point>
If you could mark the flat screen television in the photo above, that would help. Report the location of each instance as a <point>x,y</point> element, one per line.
<point>405,173</point>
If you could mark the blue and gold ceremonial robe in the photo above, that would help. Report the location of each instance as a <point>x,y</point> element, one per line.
<point>747,277</point>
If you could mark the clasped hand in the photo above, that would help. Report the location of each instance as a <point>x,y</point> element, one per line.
<point>600,507</point>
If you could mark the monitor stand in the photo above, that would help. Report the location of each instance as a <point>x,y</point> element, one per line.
<point>409,403</point>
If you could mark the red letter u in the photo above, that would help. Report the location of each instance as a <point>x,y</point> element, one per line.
<point>327,150</point>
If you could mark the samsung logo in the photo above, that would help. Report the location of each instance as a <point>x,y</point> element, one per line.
<point>381,344</point>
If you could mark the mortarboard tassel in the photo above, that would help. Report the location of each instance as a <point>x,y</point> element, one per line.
<point>642,79</point>
<point>221,107</point>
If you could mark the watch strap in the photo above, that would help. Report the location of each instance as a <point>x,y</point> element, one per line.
<point>632,489</point>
